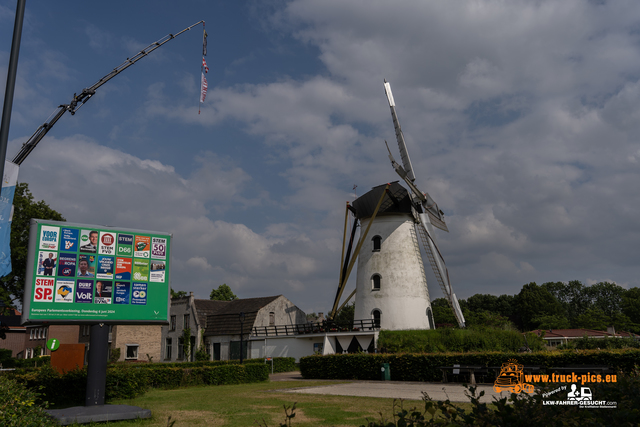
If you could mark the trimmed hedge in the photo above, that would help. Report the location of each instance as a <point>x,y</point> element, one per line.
<point>448,340</point>
<point>280,364</point>
<point>424,367</point>
<point>127,382</point>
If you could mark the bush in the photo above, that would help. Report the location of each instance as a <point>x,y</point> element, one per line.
<point>29,363</point>
<point>129,381</point>
<point>586,343</point>
<point>424,367</point>
<point>525,410</point>
<point>19,407</point>
<point>456,340</point>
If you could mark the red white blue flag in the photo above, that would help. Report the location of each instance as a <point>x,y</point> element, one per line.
<point>204,69</point>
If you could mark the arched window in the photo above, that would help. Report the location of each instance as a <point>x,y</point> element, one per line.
<point>430,317</point>
<point>375,282</point>
<point>377,242</point>
<point>376,317</point>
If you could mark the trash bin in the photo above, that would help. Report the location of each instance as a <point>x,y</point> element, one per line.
<point>385,372</point>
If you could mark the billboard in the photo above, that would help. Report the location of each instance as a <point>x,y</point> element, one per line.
<point>79,273</point>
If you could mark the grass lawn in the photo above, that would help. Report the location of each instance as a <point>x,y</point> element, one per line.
<point>247,404</point>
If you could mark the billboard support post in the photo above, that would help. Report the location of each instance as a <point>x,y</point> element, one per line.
<point>97,369</point>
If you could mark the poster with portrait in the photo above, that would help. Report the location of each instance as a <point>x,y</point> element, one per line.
<point>80,273</point>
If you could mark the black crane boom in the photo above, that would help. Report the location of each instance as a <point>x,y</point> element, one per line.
<point>86,94</point>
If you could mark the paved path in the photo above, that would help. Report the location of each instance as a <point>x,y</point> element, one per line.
<point>455,392</point>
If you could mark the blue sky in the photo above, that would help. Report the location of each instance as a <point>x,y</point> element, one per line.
<point>521,119</point>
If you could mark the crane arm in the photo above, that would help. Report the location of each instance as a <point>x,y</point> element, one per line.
<point>86,94</point>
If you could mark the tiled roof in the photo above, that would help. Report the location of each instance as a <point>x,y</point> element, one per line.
<point>226,318</point>
<point>205,307</point>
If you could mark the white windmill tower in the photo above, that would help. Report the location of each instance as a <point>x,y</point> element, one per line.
<point>391,285</point>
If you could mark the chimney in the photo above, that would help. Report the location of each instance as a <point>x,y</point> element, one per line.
<point>611,330</point>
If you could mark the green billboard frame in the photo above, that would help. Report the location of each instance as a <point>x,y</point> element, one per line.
<point>87,274</point>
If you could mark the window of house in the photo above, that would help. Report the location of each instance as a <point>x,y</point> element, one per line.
<point>375,282</point>
<point>186,322</point>
<point>172,326</point>
<point>85,330</point>
<point>376,317</point>
<point>39,334</point>
<point>44,333</point>
<point>377,242</point>
<point>31,334</point>
<point>132,351</point>
<point>272,318</point>
<point>180,348</point>
<point>168,345</point>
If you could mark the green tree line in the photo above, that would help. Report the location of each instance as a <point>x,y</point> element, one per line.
<point>552,305</point>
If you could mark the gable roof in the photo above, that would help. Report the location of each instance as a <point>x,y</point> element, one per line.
<point>206,307</point>
<point>226,317</point>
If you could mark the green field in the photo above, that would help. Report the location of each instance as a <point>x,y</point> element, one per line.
<point>247,404</point>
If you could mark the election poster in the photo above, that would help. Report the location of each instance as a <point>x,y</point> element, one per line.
<point>123,268</point>
<point>121,293</point>
<point>103,292</point>
<point>107,243</point>
<point>142,247</point>
<point>89,241</point>
<point>69,240</point>
<point>79,273</point>
<point>105,267</point>
<point>140,269</point>
<point>64,291</point>
<point>67,264</point>
<point>156,273</point>
<point>125,245</point>
<point>86,265</point>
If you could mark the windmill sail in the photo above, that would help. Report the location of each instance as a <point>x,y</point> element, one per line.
<point>402,146</point>
<point>427,214</point>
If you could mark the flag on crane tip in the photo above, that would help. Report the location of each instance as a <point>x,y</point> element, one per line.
<point>203,87</point>
<point>205,69</point>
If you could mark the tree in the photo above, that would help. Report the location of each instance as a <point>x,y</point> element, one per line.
<point>631,304</point>
<point>607,297</point>
<point>573,296</point>
<point>223,293</point>
<point>346,315</point>
<point>533,302</point>
<point>442,314</point>
<point>24,208</point>
<point>179,294</point>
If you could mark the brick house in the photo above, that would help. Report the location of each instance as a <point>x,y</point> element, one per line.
<point>14,334</point>
<point>36,337</point>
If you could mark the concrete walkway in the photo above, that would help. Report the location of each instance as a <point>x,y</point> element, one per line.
<point>408,390</point>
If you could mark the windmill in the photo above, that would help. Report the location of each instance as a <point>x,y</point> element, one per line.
<point>391,285</point>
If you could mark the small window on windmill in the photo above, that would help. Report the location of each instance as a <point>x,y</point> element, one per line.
<point>376,318</point>
<point>377,242</point>
<point>272,318</point>
<point>375,282</point>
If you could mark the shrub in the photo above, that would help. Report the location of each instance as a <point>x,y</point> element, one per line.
<point>19,407</point>
<point>456,340</point>
<point>525,410</point>
<point>424,367</point>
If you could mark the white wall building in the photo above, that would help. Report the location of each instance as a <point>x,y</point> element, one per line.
<point>391,286</point>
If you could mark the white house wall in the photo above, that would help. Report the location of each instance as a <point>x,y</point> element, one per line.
<point>284,311</point>
<point>300,346</point>
<point>403,297</point>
